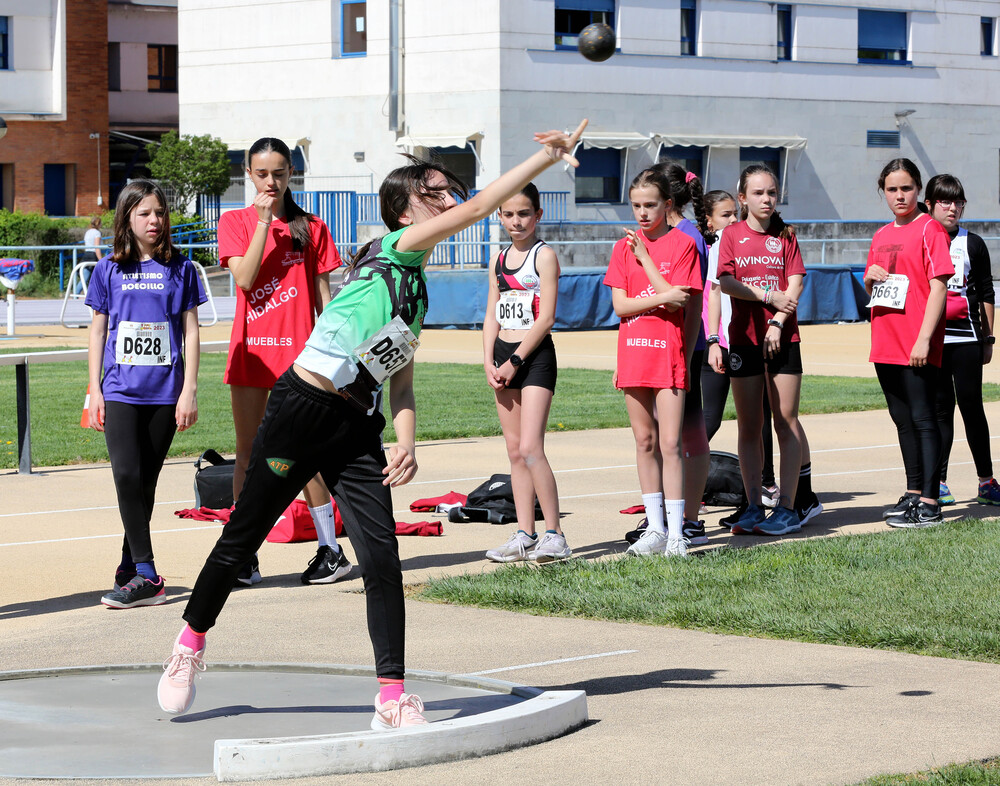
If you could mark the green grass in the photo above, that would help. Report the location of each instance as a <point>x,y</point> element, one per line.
<point>977,773</point>
<point>931,592</point>
<point>453,401</point>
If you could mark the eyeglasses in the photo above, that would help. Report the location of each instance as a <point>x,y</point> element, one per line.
<point>946,203</point>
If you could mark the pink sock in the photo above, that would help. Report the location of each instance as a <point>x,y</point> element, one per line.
<point>193,641</point>
<point>389,690</point>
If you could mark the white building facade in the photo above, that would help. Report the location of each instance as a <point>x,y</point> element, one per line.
<point>823,91</point>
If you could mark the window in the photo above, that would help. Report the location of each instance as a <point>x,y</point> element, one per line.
<point>353,28</point>
<point>689,10</point>
<point>574,15</point>
<point>986,36</point>
<point>161,67</point>
<point>459,160</point>
<point>784,14</point>
<point>114,67</point>
<point>882,37</point>
<point>883,139</point>
<point>769,157</point>
<point>7,187</point>
<point>60,189</point>
<point>4,43</point>
<point>691,158</point>
<point>599,176</point>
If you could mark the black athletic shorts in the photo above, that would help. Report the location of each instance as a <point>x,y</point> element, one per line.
<point>538,369</point>
<point>749,361</point>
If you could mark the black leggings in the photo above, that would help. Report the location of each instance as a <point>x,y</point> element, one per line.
<point>909,393</point>
<point>308,430</point>
<point>714,392</point>
<point>962,378</point>
<point>138,438</point>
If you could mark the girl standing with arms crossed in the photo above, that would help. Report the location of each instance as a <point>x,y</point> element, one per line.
<point>143,358</point>
<point>909,265</point>
<point>520,365</point>
<point>651,274</point>
<point>761,269</point>
<point>322,417</point>
<point>279,256</point>
<point>968,338</point>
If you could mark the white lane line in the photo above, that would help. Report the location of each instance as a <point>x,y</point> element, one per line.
<point>80,510</point>
<point>100,537</point>
<point>550,662</point>
<point>885,469</point>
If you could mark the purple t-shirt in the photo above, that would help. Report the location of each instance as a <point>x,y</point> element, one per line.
<point>689,228</point>
<point>144,302</point>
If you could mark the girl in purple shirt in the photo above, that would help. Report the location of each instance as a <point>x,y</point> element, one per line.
<point>143,359</point>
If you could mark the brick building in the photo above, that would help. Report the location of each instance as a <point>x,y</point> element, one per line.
<point>54,98</point>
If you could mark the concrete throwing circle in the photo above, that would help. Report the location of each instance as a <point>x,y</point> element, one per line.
<point>258,721</point>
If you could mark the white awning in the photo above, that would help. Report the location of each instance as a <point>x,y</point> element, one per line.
<point>408,143</point>
<point>699,140</point>
<point>621,140</point>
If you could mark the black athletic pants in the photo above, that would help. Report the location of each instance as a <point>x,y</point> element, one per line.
<point>308,430</point>
<point>714,392</point>
<point>138,438</point>
<point>961,378</point>
<point>910,393</point>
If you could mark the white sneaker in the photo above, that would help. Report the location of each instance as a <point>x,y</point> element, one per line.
<point>651,543</point>
<point>676,547</point>
<point>516,548</point>
<point>551,547</point>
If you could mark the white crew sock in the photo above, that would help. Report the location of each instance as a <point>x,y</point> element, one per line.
<point>654,512</point>
<point>326,528</point>
<point>675,517</point>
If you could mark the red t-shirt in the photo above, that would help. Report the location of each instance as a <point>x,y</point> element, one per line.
<point>651,344</point>
<point>918,250</point>
<point>757,259</point>
<point>274,319</point>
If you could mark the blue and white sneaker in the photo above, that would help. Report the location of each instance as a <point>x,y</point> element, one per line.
<point>782,521</point>
<point>751,517</point>
<point>945,497</point>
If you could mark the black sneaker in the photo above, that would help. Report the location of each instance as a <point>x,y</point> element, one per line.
<point>694,532</point>
<point>250,573</point>
<point>732,518</point>
<point>808,510</point>
<point>140,591</point>
<point>326,567</point>
<point>634,535</point>
<point>917,516</point>
<point>123,577</point>
<point>901,506</point>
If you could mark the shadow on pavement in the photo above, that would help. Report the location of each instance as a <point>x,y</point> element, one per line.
<point>80,600</point>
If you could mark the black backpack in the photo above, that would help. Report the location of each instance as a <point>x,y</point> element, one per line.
<point>724,487</point>
<point>213,484</point>
<point>492,501</point>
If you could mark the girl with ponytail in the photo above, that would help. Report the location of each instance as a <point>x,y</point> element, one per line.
<point>279,256</point>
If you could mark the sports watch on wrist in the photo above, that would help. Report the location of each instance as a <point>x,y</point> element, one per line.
<point>515,360</point>
<point>991,339</point>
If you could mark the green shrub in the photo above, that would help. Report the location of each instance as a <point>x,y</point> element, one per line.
<point>34,229</point>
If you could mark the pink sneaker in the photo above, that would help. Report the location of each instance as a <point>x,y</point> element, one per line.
<point>176,689</point>
<point>399,714</point>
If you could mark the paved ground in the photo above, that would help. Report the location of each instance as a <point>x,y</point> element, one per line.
<point>666,705</point>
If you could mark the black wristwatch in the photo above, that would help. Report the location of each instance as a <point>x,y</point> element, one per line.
<point>990,339</point>
<point>515,360</point>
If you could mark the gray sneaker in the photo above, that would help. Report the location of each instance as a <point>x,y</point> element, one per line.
<point>551,547</point>
<point>652,543</point>
<point>515,549</point>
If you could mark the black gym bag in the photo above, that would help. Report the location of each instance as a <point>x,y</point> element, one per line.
<point>492,501</point>
<point>213,484</point>
<point>724,487</point>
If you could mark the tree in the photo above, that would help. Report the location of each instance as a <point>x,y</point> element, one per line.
<point>192,165</point>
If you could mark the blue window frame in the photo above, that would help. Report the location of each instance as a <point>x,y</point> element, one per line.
<point>769,157</point>
<point>689,27</point>
<point>784,15</point>
<point>574,15</point>
<point>599,176</point>
<point>161,65</point>
<point>882,37</point>
<point>986,35</point>
<point>353,28</point>
<point>4,43</point>
<point>691,158</point>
